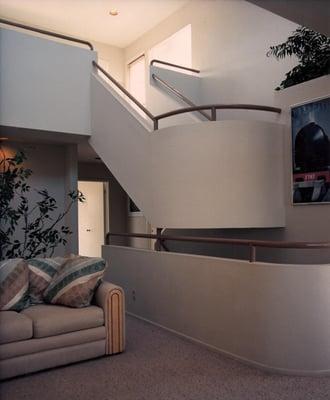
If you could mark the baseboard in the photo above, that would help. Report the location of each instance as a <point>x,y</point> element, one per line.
<point>267,368</point>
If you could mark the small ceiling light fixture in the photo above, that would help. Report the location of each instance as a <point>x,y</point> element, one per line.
<point>114,12</point>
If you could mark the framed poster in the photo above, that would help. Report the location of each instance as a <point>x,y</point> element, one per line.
<point>133,209</point>
<point>310,123</point>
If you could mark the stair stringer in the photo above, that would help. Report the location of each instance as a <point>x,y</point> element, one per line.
<point>218,174</point>
<point>122,139</point>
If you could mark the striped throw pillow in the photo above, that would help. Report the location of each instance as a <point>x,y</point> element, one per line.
<point>75,282</point>
<point>14,285</point>
<point>42,270</point>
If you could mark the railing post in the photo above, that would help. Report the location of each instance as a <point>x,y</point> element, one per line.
<point>213,114</point>
<point>158,245</point>
<point>253,253</point>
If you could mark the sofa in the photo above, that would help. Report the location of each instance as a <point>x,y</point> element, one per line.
<point>42,336</point>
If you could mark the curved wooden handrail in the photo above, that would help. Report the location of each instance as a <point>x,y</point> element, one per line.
<point>215,107</point>
<point>152,62</point>
<point>126,92</point>
<point>45,32</point>
<point>251,243</point>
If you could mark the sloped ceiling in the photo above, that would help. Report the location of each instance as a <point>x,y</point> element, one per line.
<point>314,14</point>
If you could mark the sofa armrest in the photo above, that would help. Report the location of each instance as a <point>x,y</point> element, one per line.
<point>112,299</point>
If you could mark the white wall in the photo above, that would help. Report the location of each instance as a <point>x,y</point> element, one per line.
<point>44,84</point>
<point>271,315</point>
<point>229,44</point>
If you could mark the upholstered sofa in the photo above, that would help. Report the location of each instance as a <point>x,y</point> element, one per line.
<point>46,335</point>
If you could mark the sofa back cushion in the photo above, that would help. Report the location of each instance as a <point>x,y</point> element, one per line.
<point>14,284</point>
<point>42,271</point>
<point>76,281</point>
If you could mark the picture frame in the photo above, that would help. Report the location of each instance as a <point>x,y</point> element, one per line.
<point>310,138</point>
<point>133,210</point>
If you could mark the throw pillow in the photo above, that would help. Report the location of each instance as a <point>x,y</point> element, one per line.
<point>14,285</point>
<point>75,282</point>
<point>42,270</point>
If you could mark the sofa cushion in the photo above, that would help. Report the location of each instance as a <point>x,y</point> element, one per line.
<point>76,281</point>
<point>51,320</point>
<point>42,270</point>
<point>14,327</point>
<point>14,284</point>
<point>37,345</point>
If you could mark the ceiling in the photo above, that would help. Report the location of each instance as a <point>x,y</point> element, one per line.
<point>90,19</point>
<point>314,14</point>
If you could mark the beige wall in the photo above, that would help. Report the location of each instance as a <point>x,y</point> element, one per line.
<point>115,58</point>
<point>229,44</point>
<point>271,315</point>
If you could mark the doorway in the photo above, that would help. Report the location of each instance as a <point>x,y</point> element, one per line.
<point>93,217</point>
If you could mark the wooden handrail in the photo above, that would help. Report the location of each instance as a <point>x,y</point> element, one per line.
<point>45,32</point>
<point>180,95</point>
<point>152,62</point>
<point>127,93</point>
<point>214,107</point>
<point>252,244</point>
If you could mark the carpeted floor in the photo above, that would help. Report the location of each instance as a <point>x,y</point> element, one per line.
<point>158,365</point>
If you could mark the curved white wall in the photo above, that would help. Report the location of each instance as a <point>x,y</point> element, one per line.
<point>204,175</point>
<point>271,315</point>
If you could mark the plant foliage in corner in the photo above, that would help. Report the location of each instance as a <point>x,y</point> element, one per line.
<point>28,230</point>
<point>313,52</point>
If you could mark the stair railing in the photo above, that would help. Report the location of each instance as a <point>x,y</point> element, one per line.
<point>179,95</point>
<point>128,94</point>
<point>152,62</point>
<point>252,244</point>
<point>172,89</point>
<point>45,32</point>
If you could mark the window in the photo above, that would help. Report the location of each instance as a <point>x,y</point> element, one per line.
<point>137,79</point>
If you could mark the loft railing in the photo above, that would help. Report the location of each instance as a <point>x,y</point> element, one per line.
<point>215,107</point>
<point>252,244</point>
<point>155,119</point>
<point>45,32</point>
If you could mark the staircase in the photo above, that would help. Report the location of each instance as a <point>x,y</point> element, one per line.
<point>199,173</point>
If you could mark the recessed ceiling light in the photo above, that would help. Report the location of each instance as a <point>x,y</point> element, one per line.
<point>114,12</point>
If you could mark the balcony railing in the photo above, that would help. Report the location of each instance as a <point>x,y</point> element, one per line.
<point>251,244</point>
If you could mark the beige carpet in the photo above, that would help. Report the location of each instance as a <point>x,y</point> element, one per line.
<point>158,365</point>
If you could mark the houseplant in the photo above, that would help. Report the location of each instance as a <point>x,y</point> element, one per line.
<point>28,230</point>
<point>312,50</point>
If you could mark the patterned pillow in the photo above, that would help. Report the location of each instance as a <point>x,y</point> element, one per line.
<point>42,270</point>
<point>14,284</point>
<point>75,282</point>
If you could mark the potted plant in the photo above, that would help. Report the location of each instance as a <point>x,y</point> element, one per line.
<point>312,50</point>
<point>28,230</point>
